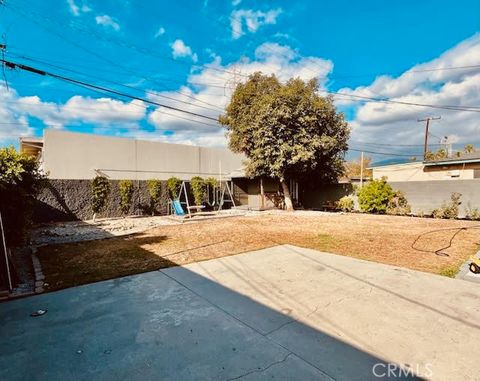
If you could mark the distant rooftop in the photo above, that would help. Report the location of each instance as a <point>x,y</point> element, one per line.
<point>473,157</point>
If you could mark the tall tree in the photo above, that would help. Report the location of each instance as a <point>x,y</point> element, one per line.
<point>353,168</point>
<point>287,131</point>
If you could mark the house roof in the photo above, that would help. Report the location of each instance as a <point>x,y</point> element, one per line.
<point>473,157</point>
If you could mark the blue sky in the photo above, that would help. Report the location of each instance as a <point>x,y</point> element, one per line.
<point>189,54</point>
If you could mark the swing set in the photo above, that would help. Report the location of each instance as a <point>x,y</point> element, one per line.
<point>216,199</point>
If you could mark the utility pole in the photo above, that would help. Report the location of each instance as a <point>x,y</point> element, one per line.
<point>361,170</point>
<point>427,124</point>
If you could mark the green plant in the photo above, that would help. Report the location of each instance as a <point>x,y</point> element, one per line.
<point>450,271</point>
<point>449,209</point>
<point>126,195</point>
<point>155,192</point>
<point>100,192</point>
<point>374,196</point>
<point>345,204</point>
<point>199,189</point>
<point>469,148</point>
<point>286,130</point>
<point>211,182</point>
<point>472,213</point>
<point>398,204</point>
<point>20,182</point>
<point>173,186</point>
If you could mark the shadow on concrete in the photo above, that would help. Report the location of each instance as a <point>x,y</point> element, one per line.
<point>171,324</point>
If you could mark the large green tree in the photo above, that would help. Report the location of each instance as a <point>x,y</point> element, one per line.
<point>286,130</point>
<point>20,181</point>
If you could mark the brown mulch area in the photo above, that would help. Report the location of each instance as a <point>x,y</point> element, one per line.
<point>385,239</point>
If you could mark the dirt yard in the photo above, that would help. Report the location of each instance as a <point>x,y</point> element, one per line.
<point>414,243</point>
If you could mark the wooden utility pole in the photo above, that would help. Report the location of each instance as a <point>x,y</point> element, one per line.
<point>427,125</point>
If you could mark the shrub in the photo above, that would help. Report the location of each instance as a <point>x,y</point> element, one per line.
<point>20,181</point>
<point>173,185</point>
<point>375,196</point>
<point>449,209</point>
<point>155,192</point>
<point>126,195</point>
<point>398,205</point>
<point>345,204</point>
<point>199,189</point>
<point>472,213</point>
<point>100,192</point>
<point>211,182</point>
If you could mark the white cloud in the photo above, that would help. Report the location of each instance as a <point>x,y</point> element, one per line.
<point>423,83</point>
<point>107,21</point>
<point>77,10</point>
<point>207,92</point>
<point>252,20</point>
<point>15,112</point>
<point>179,49</point>
<point>213,86</point>
<point>13,124</point>
<point>160,32</point>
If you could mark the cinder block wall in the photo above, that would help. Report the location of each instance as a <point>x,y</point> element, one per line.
<point>425,196</point>
<point>315,198</point>
<point>69,200</point>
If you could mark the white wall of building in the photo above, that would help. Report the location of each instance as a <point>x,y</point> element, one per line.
<point>70,155</point>
<point>418,172</point>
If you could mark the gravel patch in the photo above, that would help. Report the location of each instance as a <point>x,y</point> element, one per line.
<point>78,231</point>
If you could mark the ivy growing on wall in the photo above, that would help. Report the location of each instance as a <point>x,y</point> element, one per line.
<point>100,192</point>
<point>173,185</point>
<point>199,189</point>
<point>155,192</point>
<point>126,195</point>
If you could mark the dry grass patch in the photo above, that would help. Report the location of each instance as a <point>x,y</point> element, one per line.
<point>386,239</point>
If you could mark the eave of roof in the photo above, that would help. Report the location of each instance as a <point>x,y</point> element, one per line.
<point>451,162</point>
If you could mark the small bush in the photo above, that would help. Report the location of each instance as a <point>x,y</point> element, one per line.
<point>173,186</point>
<point>155,192</point>
<point>100,192</point>
<point>375,196</point>
<point>345,204</point>
<point>126,195</point>
<point>472,213</point>
<point>199,189</point>
<point>449,209</point>
<point>398,205</point>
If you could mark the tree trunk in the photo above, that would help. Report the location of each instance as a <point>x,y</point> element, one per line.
<point>287,196</point>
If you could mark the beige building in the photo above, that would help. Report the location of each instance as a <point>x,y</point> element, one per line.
<point>466,167</point>
<point>75,156</point>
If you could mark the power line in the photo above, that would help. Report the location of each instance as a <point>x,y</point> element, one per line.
<point>120,84</point>
<point>142,50</point>
<point>33,70</point>
<point>383,153</point>
<point>333,76</point>
<point>382,100</point>
<point>396,145</point>
<point>110,62</point>
<point>389,100</point>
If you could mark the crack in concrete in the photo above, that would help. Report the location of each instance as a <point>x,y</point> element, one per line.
<point>290,322</point>
<point>249,326</point>
<point>261,370</point>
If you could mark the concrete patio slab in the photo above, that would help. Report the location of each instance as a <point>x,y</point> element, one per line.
<point>281,313</point>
